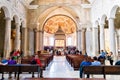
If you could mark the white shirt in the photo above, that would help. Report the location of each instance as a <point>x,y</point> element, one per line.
<point>96,63</point>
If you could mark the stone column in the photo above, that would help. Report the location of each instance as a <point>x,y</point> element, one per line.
<point>7,43</point>
<point>83,41</point>
<point>41,40</point>
<point>102,37</point>
<point>89,41</point>
<point>24,41</point>
<point>31,41</point>
<point>36,40</point>
<point>17,37</point>
<point>112,35</point>
<point>79,40</point>
<point>95,41</point>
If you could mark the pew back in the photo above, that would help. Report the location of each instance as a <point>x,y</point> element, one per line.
<point>29,68</point>
<point>9,68</point>
<point>112,70</point>
<point>93,70</point>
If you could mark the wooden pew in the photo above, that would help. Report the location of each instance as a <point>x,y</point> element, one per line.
<point>94,70</point>
<point>75,60</point>
<point>9,69</point>
<point>30,69</point>
<point>112,70</point>
<point>104,70</point>
<point>20,68</point>
<point>45,59</point>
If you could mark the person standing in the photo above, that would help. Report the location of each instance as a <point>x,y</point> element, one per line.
<point>110,58</point>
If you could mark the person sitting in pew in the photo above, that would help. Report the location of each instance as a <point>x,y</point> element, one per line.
<point>11,62</point>
<point>117,63</point>
<point>96,62</point>
<point>4,61</point>
<point>86,62</point>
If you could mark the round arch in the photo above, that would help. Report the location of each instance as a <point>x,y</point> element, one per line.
<point>23,22</point>
<point>17,20</point>
<point>103,19</point>
<point>44,16</point>
<point>96,24</point>
<point>113,11</point>
<point>6,11</point>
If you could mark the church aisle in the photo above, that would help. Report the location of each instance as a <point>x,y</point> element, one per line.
<point>59,67</point>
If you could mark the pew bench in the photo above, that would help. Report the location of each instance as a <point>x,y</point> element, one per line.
<point>103,70</point>
<point>94,70</point>
<point>8,69</point>
<point>21,68</point>
<point>29,68</point>
<point>112,70</point>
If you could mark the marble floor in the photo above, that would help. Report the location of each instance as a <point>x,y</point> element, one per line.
<point>60,68</point>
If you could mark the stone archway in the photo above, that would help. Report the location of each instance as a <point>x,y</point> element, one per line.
<point>104,34</point>
<point>112,31</point>
<point>117,30</point>
<point>60,23</point>
<point>48,12</point>
<point>7,25</point>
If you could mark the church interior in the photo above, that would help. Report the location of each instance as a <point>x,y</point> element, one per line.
<point>63,34</point>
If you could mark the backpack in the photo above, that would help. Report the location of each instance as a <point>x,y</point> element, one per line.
<point>33,61</point>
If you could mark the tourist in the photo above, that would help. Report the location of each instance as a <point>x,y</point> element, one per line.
<point>86,62</point>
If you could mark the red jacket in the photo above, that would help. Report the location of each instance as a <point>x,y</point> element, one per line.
<point>39,62</point>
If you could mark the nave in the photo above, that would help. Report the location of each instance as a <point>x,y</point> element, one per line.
<point>60,68</point>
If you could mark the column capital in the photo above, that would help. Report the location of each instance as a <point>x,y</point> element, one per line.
<point>84,29</point>
<point>79,30</point>
<point>24,27</point>
<point>35,30</point>
<point>7,18</point>
<point>95,28</point>
<point>40,31</point>
<point>111,18</point>
<point>102,24</point>
<point>17,24</point>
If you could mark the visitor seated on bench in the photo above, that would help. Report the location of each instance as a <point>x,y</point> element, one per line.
<point>4,61</point>
<point>96,62</point>
<point>11,61</point>
<point>86,62</point>
<point>117,63</point>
